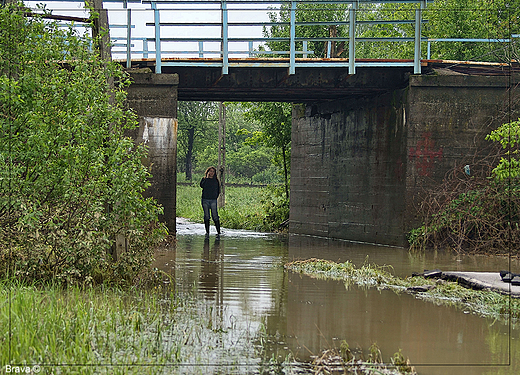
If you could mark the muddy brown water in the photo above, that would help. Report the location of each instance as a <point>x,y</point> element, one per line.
<point>242,276</point>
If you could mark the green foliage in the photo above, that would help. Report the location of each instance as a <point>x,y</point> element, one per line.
<point>77,330</point>
<point>473,19</point>
<point>311,13</point>
<point>276,206</point>
<point>249,161</point>
<point>385,49</point>
<point>270,176</point>
<point>508,135</point>
<point>198,127</point>
<point>276,121</point>
<point>245,160</point>
<point>69,179</point>
<point>480,19</point>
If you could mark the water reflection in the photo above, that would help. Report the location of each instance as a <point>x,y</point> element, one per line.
<point>242,277</point>
<point>211,267</point>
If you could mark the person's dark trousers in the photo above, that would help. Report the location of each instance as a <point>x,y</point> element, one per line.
<point>209,207</point>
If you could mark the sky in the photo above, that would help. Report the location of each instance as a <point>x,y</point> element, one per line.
<point>186,13</point>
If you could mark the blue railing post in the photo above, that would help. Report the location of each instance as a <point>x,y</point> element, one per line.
<point>352,38</point>
<point>201,49</point>
<point>292,57</point>
<point>157,24</point>
<point>128,37</point>
<point>225,51</point>
<point>417,49</point>
<point>145,48</point>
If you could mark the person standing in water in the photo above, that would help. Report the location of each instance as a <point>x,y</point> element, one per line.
<point>210,191</point>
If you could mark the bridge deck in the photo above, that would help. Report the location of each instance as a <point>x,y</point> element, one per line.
<point>202,79</point>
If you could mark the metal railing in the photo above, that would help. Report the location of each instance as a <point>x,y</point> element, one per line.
<point>209,32</point>
<point>162,9</point>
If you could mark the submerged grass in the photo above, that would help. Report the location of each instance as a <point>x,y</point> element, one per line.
<point>110,330</point>
<point>484,303</point>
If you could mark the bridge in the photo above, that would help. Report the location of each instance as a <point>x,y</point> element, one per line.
<point>369,135</point>
<point>243,33</point>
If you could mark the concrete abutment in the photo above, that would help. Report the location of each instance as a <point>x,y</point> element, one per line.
<point>154,98</point>
<point>359,165</point>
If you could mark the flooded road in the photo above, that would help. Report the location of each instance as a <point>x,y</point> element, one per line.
<point>241,277</point>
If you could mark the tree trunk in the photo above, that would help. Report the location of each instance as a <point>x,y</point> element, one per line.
<point>189,154</point>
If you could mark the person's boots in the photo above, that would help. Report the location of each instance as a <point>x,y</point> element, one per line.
<point>206,225</point>
<point>217,225</point>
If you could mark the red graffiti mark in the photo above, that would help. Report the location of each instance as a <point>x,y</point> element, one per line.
<point>425,155</point>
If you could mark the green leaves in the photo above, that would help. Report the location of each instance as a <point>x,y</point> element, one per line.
<point>70,179</point>
<point>508,135</point>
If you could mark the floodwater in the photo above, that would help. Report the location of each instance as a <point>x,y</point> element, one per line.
<point>242,276</point>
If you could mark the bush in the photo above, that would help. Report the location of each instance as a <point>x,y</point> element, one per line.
<point>69,179</point>
<point>479,211</point>
<point>276,207</point>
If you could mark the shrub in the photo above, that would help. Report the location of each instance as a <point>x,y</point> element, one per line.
<point>69,179</point>
<point>479,211</point>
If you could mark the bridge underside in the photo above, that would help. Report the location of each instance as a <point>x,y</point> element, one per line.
<point>307,85</point>
<point>364,146</point>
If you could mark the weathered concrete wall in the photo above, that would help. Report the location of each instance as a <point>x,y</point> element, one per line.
<point>448,118</point>
<point>347,169</point>
<point>358,166</point>
<point>154,98</point>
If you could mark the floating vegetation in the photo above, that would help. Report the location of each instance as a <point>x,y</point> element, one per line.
<point>345,360</point>
<point>484,303</point>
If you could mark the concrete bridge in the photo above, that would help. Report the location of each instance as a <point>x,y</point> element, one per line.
<point>368,135</point>
<point>364,146</point>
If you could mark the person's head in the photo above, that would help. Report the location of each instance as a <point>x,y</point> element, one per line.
<point>211,172</point>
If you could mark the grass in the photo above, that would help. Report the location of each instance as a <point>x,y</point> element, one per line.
<point>108,330</point>
<point>243,208</point>
<point>483,303</point>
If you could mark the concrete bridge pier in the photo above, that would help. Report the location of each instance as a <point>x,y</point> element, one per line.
<point>360,165</point>
<point>154,98</point>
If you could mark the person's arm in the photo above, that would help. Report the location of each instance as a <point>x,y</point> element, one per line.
<point>202,182</point>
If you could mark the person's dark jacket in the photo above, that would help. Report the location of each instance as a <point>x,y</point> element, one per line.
<point>210,188</point>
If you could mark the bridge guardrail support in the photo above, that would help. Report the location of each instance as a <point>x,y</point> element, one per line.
<point>417,49</point>
<point>128,37</point>
<point>157,22</point>
<point>352,39</point>
<point>225,48</point>
<point>292,55</point>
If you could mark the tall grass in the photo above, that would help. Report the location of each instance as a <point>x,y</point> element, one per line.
<point>244,208</point>
<point>96,330</point>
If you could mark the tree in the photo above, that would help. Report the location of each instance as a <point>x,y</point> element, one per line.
<point>494,19</point>
<point>313,13</point>
<point>482,19</point>
<point>479,19</point>
<point>196,119</point>
<point>276,121</point>
<point>69,178</point>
